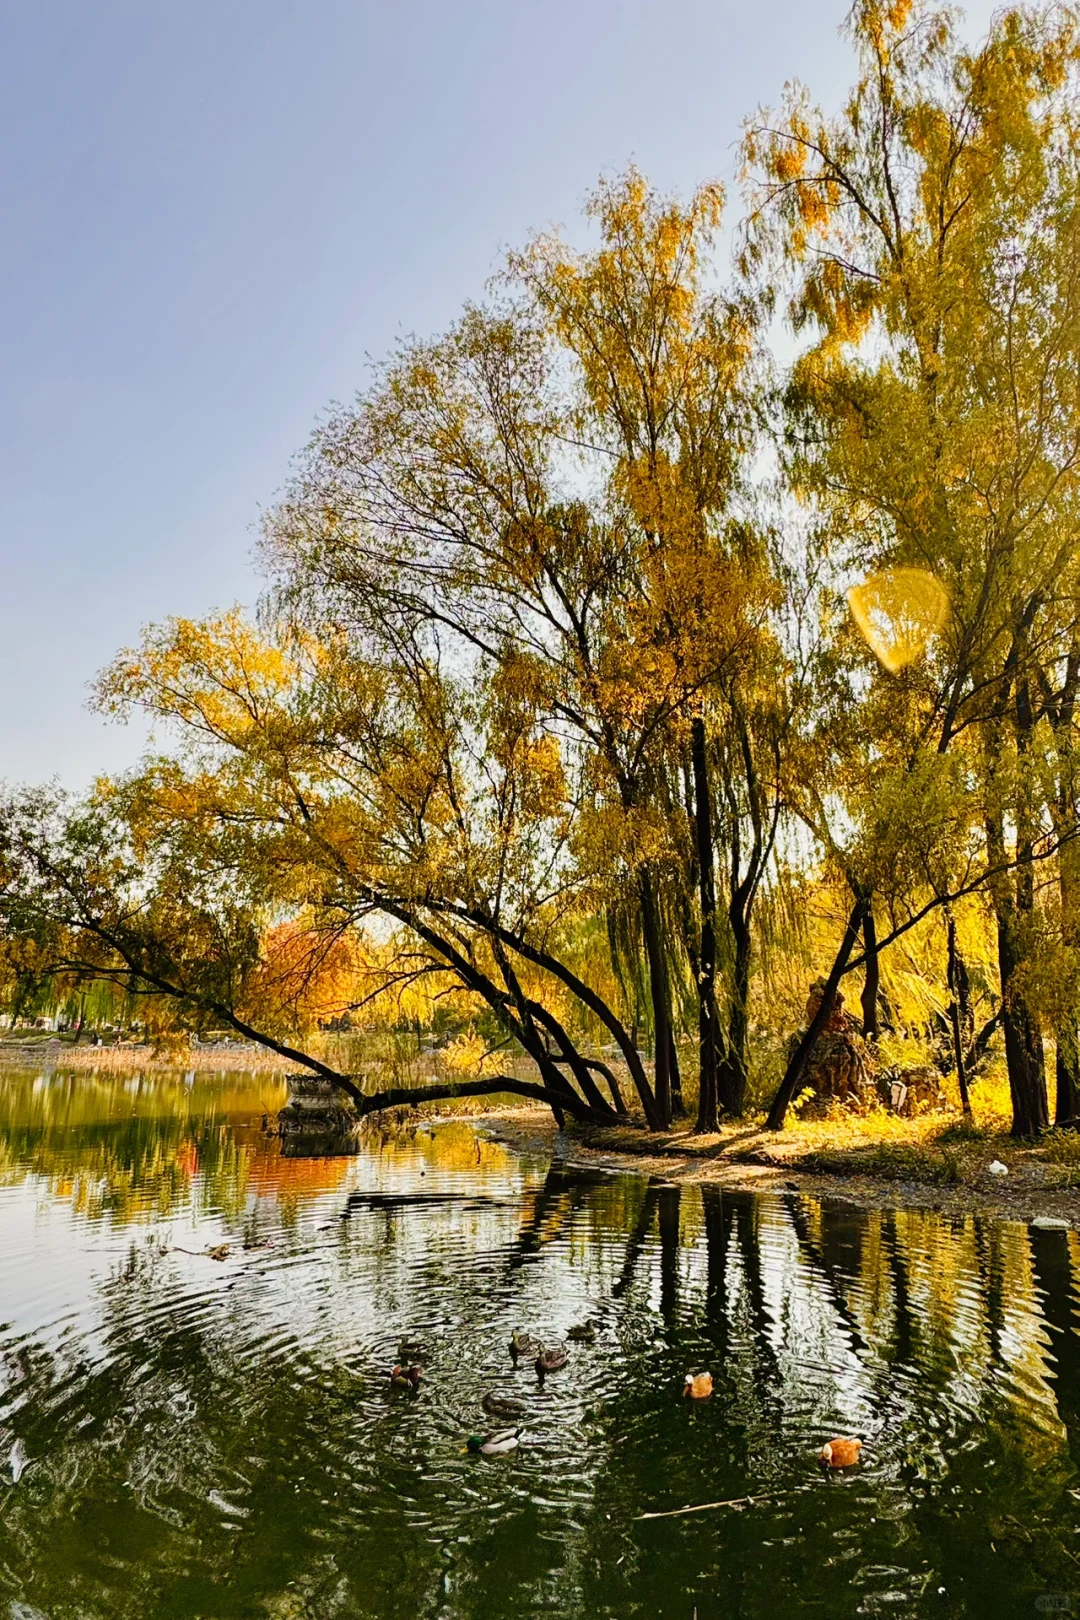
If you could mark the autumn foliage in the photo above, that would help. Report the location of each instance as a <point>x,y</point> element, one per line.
<point>612,676</point>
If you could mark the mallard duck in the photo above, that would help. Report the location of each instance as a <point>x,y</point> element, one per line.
<point>698,1386</point>
<point>495,1444</point>
<point>583,1333</point>
<point>523,1344</point>
<point>500,1406</point>
<point>406,1377</point>
<point>841,1453</point>
<point>550,1360</point>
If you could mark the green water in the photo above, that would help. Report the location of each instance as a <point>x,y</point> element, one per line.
<point>184,1437</point>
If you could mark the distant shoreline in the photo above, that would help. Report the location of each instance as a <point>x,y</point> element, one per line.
<point>114,1059</point>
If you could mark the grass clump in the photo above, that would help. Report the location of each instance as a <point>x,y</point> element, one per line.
<point>1062,1150</point>
<point>965,1129</point>
<point>891,1161</point>
<point>1063,1147</point>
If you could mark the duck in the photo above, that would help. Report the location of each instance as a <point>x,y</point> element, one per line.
<point>550,1360</point>
<point>841,1453</point>
<point>523,1344</point>
<point>406,1377</point>
<point>501,1406</point>
<point>495,1444</point>
<point>698,1386</point>
<point>583,1332</point>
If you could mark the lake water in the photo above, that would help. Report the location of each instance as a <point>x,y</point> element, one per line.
<point>186,1437</point>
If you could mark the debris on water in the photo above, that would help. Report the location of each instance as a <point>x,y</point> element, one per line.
<point>218,1251</point>
<point>17,1461</point>
<point>698,1386</point>
<point>841,1453</point>
<point>736,1502</point>
<point>225,1506</point>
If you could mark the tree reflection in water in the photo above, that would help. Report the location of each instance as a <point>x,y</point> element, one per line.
<point>197,1439</point>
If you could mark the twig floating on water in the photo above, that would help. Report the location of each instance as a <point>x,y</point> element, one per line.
<point>700,1507</point>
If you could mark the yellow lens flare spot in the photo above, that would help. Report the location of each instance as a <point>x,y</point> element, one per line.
<point>899,611</point>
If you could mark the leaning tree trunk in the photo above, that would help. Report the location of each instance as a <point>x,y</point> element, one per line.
<point>796,1068</point>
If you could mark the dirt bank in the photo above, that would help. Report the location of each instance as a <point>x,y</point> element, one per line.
<point>931,1166</point>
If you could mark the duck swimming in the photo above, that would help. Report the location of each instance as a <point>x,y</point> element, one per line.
<point>501,1406</point>
<point>841,1453</point>
<point>406,1377</point>
<point>523,1344</point>
<point>495,1444</point>
<point>583,1333</point>
<point>550,1360</point>
<point>698,1386</point>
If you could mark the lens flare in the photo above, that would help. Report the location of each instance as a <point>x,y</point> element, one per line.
<point>899,611</point>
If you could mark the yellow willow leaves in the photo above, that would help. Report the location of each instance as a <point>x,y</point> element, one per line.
<point>899,611</point>
<point>657,494</point>
<point>220,676</point>
<point>542,782</point>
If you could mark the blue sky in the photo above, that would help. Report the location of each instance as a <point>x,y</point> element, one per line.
<point>216,210</point>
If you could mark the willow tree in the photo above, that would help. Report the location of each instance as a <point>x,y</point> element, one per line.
<point>311,786</point>
<point>549,492</point>
<point>931,238</point>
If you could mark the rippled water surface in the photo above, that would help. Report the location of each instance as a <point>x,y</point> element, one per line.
<point>189,1437</point>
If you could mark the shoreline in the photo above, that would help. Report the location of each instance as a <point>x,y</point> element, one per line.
<point>1023,1195</point>
<point>117,1059</point>
<point>929,1163</point>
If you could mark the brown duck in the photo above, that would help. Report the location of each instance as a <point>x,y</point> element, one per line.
<point>841,1453</point>
<point>549,1361</point>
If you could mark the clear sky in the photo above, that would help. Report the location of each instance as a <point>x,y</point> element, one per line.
<point>215,210</point>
